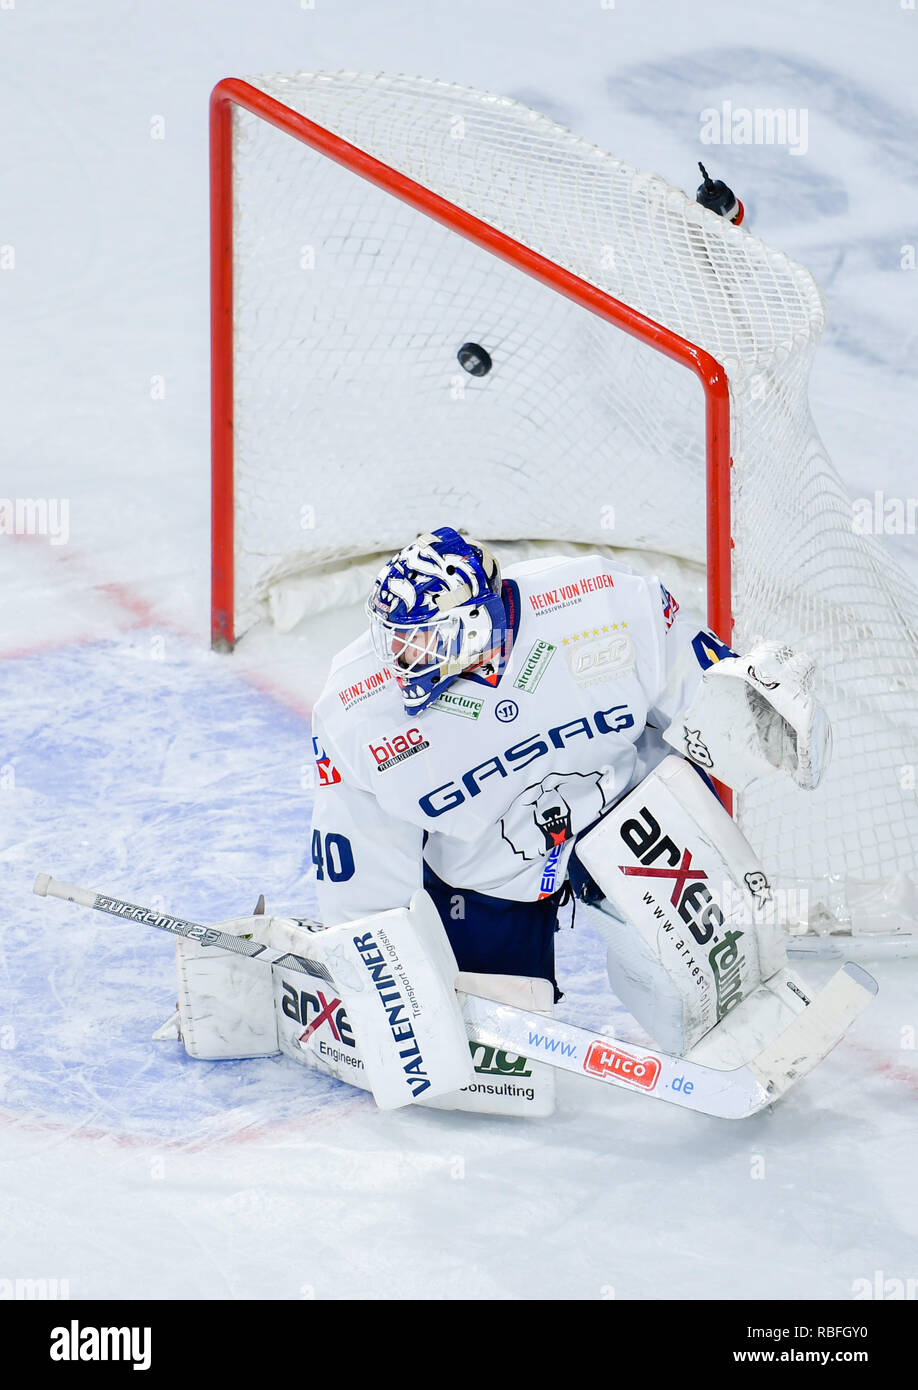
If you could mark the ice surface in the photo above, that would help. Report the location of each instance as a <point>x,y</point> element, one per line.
<point>133,760</point>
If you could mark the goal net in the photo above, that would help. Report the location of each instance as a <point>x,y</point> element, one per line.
<point>622,346</point>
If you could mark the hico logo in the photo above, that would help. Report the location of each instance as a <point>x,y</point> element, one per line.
<point>395,750</point>
<point>314,1011</point>
<point>519,755</point>
<point>605,1060</point>
<point>691,899</point>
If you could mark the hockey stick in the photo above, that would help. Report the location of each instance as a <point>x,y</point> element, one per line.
<point>46,886</point>
<point>731,1094</point>
<point>728,1094</point>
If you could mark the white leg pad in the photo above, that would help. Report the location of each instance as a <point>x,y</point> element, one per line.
<point>688,915</point>
<point>642,980</point>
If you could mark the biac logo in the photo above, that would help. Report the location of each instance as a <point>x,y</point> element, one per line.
<point>395,750</point>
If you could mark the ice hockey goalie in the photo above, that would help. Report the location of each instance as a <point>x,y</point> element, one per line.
<point>500,742</point>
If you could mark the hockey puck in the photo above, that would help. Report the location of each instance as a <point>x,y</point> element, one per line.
<point>474,359</point>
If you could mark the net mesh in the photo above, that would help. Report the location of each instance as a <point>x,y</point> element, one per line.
<point>357,427</point>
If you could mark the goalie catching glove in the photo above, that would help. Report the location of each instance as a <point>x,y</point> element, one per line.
<point>753,715</point>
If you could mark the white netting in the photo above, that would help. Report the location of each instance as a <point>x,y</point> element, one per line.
<point>356,427</point>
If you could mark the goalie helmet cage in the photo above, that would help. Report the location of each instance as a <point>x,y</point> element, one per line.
<point>365,228</point>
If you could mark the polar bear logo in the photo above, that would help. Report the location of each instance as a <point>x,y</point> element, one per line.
<point>549,813</point>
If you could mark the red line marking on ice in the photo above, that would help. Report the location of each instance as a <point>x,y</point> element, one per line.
<point>143,614</point>
<point>62,1129</point>
<point>890,1071</point>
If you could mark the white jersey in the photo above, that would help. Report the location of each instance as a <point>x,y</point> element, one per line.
<point>491,783</point>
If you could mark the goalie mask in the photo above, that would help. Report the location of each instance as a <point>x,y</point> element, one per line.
<point>435,610</point>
